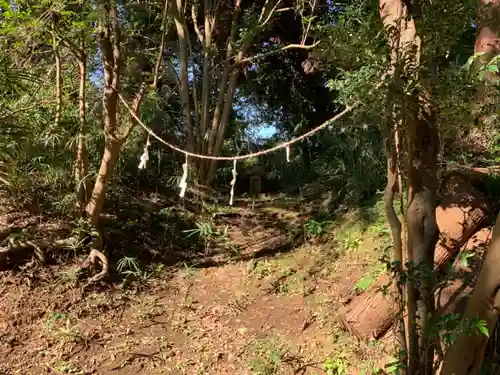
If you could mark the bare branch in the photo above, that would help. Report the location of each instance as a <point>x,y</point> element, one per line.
<point>136,106</point>
<point>194,17</point>
<point>272,13</point>
<point>162,46</point>
<point>264,9</point>
<point>278,50</point>
<point>306,31</point>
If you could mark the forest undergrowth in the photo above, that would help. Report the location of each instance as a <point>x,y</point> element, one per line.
<point>209,289</point>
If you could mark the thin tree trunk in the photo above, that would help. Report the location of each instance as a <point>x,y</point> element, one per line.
<point>207,67</point>
<point>82,162</point>
<point>110,38</point>
<point>57,61</point>
<point>184,81</point>
<point>226,114</point>
<point>393,186</point>
<point>108,162</point>
<point>223,89</point>
<point>162,46</point>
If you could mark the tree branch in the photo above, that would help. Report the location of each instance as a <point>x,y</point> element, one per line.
<point>278,50</point>
<point>136,106</point>
<point>194,17</point>
<point>162,46</point>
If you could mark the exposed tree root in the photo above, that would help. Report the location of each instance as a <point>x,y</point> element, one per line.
<point>92,260</point>
<point>18,251</point>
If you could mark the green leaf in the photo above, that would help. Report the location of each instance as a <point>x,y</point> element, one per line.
<point>483,329</point>
<point>364,283</point>
<point>492,68</point>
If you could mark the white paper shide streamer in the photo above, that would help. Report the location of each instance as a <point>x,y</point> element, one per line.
<point>287,154</point>
<point>183,183</point>
<point>145,155</point>
<point>233,182</point>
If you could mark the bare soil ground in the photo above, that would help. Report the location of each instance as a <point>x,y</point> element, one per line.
<point>242,308</point>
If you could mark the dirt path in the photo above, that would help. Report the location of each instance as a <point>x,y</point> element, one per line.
<point>272,315</point>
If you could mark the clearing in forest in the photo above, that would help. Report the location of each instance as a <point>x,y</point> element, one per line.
<point>262,298</point>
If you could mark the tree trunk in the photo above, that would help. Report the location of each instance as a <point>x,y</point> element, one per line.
<point>488,30</point>
<point>466,355</point>
<point>57,60</point>
<point>183,76</point>
<point>110,39</point>
<point>222,96</point>
<point>109,158</point>
<point>463,210</point>
<point>422,226</point>
<point>488,43</point>
<point>394,186</point>
<point>419,121</point>
<point>226,114</point>
<point>82,162</point>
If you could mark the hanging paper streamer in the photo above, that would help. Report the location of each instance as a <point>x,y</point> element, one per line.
<point>183,183</point>
<point>145,155</point>
<point>288,154</point>
<point>233,182</point>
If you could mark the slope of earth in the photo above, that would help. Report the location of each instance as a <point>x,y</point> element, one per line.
<point>245,311</point>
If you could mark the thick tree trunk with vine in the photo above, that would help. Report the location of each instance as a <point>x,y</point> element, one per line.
<point>419,121</point>
<point>421,219</point>
<point>394,186</point>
